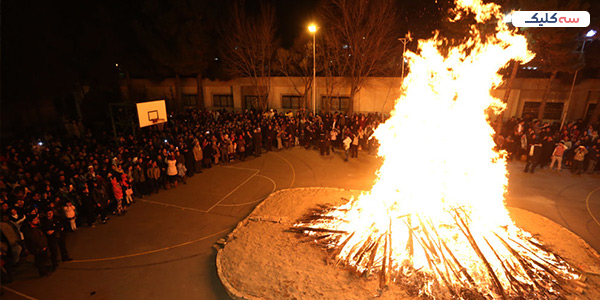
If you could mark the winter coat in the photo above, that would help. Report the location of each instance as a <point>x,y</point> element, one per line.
<point>197,150</point>
<point>35,239</point>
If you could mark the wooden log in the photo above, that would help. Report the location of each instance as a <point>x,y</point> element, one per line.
<point>302,229</point>
<point>516,284</point>
<point>373,255</point>
<point>339,249</point>
<point>363,250</point>
<point>409,244</point>
<point>526,265</point>
<point>382,280</point>
<point>462,269</point>
<point>465,230</point>
<point>390,253</point>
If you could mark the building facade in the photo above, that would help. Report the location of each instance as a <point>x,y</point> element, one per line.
<point>378,94</point>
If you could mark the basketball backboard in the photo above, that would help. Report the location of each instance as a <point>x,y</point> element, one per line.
<point>152,112</point>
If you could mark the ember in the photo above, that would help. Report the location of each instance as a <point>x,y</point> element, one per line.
<point>435,220</point>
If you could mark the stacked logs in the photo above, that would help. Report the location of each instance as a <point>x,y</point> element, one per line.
<point>530,271</point>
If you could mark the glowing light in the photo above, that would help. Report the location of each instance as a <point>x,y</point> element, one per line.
<point>591,33</point>
<point>439,186</point>
<point>312,28</point>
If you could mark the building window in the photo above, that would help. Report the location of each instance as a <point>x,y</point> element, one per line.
<point>337,103</point>
<point>530,110</point>
<point>188,99</point>
<point>290,102</point>
<point>251,102</point>
<point>552,111</point>
<point>223,100</point>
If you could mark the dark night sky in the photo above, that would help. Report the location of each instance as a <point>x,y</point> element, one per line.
<point>49,47</point>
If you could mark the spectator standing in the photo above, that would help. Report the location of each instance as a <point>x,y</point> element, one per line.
<point>181,168</point>
<point>37,244</point>
<point>241,145</point>
<point>578,158</point>
<point>347,141</point>
<point>100,198</point>
<point>88,206</point>
<point>171,171</point>
<point>594,156</point>
<point>197,151</point>
<point>533,156</point>
<point>127,184</point>
<point>190,160</point>
<point>118,194</point>
<point>53,227</point>
<point>333,136</point>
<point>207,154</point>
<point>557,155</point>
<point>354,146</point>
<point>139,181</point>
<point>547,149</point>
<point>71,215</point>
<point>523,147</point>
<point>13,239</point>
<point>257,141</point>
<point>153,173</point>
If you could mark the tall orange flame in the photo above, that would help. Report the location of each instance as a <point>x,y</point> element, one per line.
<point>439,160</point>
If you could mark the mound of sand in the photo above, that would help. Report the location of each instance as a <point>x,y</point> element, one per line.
<point>261,259</point>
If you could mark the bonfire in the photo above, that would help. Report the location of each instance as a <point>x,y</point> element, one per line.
<point>435,220</point>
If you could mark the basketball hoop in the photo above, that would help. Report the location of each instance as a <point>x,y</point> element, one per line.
<point>152,113</point>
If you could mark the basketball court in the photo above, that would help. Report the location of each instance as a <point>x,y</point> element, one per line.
<point>162,248</point>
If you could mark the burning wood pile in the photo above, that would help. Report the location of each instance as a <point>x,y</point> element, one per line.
<point>435,221</point>
<point>459,263</point>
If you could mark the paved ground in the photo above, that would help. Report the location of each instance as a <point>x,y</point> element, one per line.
<point>162,248</point>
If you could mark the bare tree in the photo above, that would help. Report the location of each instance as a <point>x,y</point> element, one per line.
<point>249,45</point>
<point>177,37</point>
<point>554,47</point>
<point>360,40</point>
<point>296,62</point>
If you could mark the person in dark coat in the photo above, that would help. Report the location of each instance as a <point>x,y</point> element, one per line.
<point>190,161</point>
<point>547,149</point>
<point>54,230</point>
<point>101,199</point>
<point>88,205</point>
<point>37,243</point>
<point>257,141</point>
<point>269,138</point>
<point>207,154</point>
<point>534,156</point>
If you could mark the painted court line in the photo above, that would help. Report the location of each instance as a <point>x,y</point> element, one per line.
<point>173,205</point>
<point>255,201</point>
<point>148,252</point>
<point>19,293</point>
<point>291,166</point>
<point>232,191</point>
<point>587,204</point>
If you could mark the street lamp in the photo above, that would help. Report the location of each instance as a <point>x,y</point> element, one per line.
<point>404,41</point>
<point>313,29</point>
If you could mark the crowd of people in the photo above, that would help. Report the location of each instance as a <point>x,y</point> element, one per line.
<point>575,146</point>
<point>51,185</point>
